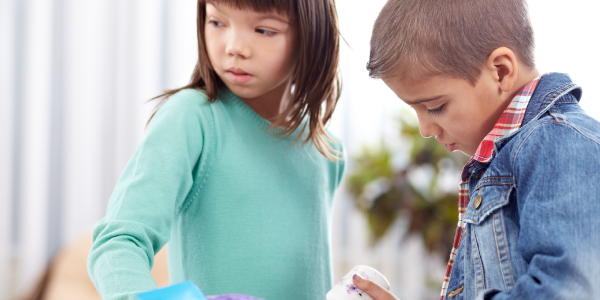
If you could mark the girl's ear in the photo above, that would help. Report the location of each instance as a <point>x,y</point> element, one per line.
<point>504,67</point>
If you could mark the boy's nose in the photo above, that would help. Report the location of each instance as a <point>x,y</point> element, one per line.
<point>238,46</point>
<point>429,129</point>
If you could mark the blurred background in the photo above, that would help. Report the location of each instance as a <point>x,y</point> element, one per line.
<point>74,79</point>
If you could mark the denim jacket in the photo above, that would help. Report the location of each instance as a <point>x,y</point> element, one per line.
<point>536,233</point>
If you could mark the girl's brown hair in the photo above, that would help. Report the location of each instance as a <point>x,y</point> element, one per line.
<point>316,84</point>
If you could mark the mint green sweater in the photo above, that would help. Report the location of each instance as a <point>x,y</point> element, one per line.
<point>242,211</point>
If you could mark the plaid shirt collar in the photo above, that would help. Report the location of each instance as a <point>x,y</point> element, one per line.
<point>509,122</point>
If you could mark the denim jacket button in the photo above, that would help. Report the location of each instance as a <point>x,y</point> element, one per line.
<point>477,202</point>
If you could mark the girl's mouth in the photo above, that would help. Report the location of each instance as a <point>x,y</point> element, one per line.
<point>238,76</point>
<point>450,147</point>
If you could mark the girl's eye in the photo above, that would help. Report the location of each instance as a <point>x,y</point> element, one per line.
<point>266,32</point>
<point>435,111</point>
<point>215,23</point>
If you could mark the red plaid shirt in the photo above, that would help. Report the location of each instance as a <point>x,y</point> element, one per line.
<point>509,121</point>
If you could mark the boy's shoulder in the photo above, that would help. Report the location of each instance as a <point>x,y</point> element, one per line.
<point>554,125</point>
<point>558,141</point>
<point>562,146</point>
<point>563,129</point>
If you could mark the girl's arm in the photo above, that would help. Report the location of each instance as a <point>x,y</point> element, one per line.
<point>146,199</point>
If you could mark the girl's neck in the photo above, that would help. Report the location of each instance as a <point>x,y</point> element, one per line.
<point>272,103</point>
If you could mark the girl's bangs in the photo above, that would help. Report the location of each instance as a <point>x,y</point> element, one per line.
<point>285,7</point>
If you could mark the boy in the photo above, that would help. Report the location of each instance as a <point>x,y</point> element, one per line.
<point>529,200</point>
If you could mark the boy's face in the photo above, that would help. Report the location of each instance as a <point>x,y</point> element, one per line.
<point>458,114</point>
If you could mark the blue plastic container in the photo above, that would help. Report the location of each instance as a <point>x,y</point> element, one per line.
<point>181,291</point>
<point>188,291</point>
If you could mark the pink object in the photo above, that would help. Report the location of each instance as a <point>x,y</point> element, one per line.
<point>233,297</point>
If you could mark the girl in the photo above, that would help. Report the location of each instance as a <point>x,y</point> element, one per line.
<point>237,171</point>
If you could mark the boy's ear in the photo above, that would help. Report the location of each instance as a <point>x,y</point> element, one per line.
<point>504,67</point>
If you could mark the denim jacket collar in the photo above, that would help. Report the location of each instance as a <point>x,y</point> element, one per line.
<point>551,88</point>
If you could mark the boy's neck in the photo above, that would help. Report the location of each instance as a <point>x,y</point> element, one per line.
<point>525,76</point>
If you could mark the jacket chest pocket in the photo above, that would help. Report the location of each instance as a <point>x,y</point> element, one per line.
<point>490,234</point>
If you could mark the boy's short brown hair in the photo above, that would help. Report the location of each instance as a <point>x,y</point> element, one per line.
<point>447,37</point>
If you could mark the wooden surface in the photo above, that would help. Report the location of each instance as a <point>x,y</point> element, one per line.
<point>68,278</point>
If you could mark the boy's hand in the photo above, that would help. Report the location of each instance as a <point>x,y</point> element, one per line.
<point>372,289</point>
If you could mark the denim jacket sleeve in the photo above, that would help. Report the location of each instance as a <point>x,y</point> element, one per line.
<point>556,166</point>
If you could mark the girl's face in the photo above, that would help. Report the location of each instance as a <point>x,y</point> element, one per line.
<point>253,53</point>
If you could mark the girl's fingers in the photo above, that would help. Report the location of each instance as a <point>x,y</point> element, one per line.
<point>372,289</point>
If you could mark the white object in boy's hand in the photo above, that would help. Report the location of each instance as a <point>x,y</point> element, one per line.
<point>346,290</point>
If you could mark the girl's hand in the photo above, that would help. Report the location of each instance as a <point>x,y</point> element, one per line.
<point>373,289</point>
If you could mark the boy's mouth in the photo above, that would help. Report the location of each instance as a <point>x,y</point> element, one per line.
<point>238,76</point>
<point>450,147</point>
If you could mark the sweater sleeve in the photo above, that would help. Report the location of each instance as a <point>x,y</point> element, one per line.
<point>144,203</point>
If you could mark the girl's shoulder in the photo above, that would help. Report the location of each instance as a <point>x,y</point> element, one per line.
<point>186,99</point>
<point>336,142</point>
<point>337,166</point>
<point>187,110</point>
<point>185,104</point>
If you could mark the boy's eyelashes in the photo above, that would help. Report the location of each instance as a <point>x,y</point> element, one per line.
<point>435,111</point>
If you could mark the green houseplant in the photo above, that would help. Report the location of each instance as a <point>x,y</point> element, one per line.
<point>432,211</point>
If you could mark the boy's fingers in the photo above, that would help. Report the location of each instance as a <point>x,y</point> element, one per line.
<point>372,289</point>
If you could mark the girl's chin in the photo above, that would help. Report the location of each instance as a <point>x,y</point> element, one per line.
<point>243,91</point>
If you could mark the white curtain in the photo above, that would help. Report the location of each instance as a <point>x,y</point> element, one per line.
<point>74,78</point>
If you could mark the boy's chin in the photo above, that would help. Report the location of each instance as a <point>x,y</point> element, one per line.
<point>455,148</point>
<point>463,152</point>
<point>451,147</point>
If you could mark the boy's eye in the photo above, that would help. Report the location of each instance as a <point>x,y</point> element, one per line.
<point>266,32</point>
<point>435,111</point>
<point>215,23</point>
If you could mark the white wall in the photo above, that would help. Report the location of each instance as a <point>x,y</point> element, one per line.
<point>7,84</point>
<point>568,41</point>
<point>75,76</point>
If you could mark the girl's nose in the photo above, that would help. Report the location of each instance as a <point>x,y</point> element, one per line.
<point>238,46</point>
